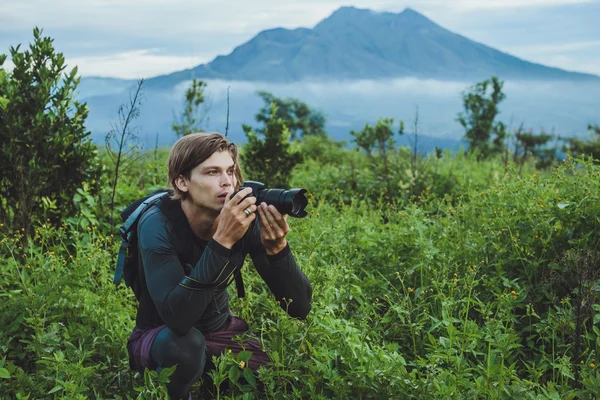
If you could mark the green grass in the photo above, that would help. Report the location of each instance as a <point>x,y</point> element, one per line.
<point>472,282</point>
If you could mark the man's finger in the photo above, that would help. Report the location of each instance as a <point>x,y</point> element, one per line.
<point>250,201</point>
<point>264,219</point>
<point>239,196</point>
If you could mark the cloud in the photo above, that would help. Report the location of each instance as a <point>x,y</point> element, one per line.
<point>476,5</point>
<point>171,18</point>
<point>581,56</point>
<point>559,47</point>
<point>134,64</point>
<point>570,63</point>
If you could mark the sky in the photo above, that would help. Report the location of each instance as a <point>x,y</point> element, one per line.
<point>143,38</point>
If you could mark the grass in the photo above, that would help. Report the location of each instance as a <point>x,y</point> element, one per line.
<point>481,286</point>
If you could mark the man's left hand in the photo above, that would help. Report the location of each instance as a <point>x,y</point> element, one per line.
<point>273,227</point>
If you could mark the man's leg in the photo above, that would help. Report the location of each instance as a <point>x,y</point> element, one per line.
<point>217,342</point>
<point>187,352</point>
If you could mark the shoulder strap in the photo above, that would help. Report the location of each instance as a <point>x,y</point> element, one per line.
<point>131,223</point>
<point>239,284</point>
<point>127,228</point>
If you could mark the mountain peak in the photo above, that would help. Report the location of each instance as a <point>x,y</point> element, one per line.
<point>414,15</point>
<point>346,14</point>
<point>370,19</point>
<point>357,43</point>
<point>354,12</point>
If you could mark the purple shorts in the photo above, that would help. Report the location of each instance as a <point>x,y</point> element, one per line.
<point>140,344</point>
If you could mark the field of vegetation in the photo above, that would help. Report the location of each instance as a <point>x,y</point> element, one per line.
<point>466,275</point>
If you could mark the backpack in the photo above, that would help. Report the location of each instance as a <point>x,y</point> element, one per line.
<point>127,259</point>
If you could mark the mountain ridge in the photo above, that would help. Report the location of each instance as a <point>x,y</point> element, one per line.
<point>352,66</point>
<point>354,43</point>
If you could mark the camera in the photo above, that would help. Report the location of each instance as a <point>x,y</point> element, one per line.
<point>291,202</point>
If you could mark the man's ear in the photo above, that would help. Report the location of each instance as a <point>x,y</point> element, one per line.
<point>182,184</point>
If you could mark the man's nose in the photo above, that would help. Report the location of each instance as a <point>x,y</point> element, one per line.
<point>226,180</point>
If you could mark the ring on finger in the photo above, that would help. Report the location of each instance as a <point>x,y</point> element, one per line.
<point>247,211</point>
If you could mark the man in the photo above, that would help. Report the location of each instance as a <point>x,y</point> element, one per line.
<point>190,246</point>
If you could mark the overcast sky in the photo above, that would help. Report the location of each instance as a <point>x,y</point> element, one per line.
<point>144,38</point>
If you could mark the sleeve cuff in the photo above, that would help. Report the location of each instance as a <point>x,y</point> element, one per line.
<point>218,248</point>
<point>282,254</point>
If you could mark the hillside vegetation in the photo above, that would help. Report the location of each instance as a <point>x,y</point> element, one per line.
<point>488,292</point>
<point>466,275</point>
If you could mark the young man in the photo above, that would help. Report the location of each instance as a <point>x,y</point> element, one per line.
<point>190,247</point>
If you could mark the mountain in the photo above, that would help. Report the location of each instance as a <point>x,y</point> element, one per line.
<point>357,43</point>
<point>356,66</point>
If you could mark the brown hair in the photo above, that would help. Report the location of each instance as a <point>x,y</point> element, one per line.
<point>192,150</point>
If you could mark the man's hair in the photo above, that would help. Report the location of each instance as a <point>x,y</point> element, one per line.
<point>192,150</point>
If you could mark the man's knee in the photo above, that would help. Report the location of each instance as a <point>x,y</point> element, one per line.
<point>187,350</point>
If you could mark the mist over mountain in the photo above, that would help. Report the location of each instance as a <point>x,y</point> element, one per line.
<point>355,66</point>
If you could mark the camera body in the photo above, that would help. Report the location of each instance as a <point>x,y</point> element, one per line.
<point>291,202</point>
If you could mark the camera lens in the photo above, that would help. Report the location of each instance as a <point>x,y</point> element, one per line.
<point>291,202</point>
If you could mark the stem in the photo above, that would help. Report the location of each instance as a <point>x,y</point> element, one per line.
<point>124,133</point>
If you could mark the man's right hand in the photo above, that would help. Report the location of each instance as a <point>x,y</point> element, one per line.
<point>233,220</point>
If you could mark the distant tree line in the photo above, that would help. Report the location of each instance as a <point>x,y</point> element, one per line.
<point>488,137</point>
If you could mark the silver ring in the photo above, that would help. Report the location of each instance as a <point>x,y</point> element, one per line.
<point>247,211</point>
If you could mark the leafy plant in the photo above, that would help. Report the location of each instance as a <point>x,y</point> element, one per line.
<point>45,148</point>
<point>271,159</point>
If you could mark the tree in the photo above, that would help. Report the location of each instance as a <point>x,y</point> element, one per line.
<point>589,147</point>
<point>269,160</point>
<point>191,121</point>
<point>379,138</point>
<point>300,119</point>
<point>481,108</point>
<point>45,150</point>
<point>531,145</point>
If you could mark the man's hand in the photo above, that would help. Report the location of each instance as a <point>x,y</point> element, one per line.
<point>273,228</point>
<point>235,218</point>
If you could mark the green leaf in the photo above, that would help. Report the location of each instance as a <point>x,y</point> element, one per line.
<point>249,376</point>
<point>244,356</point>
<point>275,357</point>
<point>445,342</point>
<point>55,389</point>
<point>563,205</point>
<point>4,374</point>
<point>234,373</point>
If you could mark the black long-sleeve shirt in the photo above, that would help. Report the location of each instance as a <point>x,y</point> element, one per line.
<point>178,270</point>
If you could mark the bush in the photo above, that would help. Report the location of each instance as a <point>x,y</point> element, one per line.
<point>46,154</point>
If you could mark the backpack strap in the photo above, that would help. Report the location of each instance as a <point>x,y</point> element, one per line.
<point>239,284</point>
<point>127,228</point>
<point>130,224</point>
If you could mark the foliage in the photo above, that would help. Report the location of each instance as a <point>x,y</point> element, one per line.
<point>481,109</point>
<point>269,160</point>
<point>380,138</point>
<point>190,121</point>
<point>488,292</point>
<point>300,119</point>
<point>467,277</point>
<point>590,147</point>
<point>45,150</point>
<point>530,145</point>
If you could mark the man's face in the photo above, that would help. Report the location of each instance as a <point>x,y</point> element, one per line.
<point>211,181</point>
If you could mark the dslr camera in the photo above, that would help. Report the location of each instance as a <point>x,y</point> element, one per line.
<point>291,202</point>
